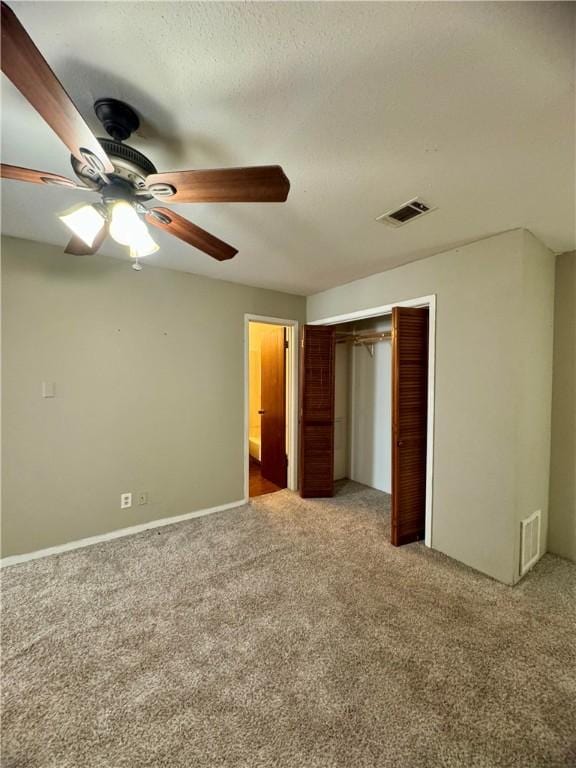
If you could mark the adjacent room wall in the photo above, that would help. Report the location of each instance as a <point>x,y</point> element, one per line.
<point>148,373</point>
<point>562,522</point>
<point>479,354</point>
<point>255,387</point>
<point>255,331</point>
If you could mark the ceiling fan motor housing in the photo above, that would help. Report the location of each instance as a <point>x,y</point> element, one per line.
<point>130,166</point>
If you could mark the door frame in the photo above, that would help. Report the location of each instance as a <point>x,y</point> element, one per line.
<point>386,309</point>
<point>291,399</point>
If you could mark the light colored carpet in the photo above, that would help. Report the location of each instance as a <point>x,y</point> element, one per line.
<point>287,633</point>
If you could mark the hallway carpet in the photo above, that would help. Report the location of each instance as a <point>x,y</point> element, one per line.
<point>288,634</point>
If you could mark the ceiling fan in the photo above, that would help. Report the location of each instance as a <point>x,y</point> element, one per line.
<point>124,178</point>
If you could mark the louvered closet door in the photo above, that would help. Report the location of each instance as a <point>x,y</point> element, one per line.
<point>316,411</point>
<point>409,423</point>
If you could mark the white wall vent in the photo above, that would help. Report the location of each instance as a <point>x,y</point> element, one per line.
<point>413,209</point>
<point>530,541</point>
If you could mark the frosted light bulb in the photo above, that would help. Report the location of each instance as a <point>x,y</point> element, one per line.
<point>126,226</point>
<point>143,245</point>
<point>85,222</point>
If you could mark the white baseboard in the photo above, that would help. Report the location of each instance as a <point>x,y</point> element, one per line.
<point>118,534</point>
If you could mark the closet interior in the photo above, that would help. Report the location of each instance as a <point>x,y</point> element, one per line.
<point>363,402</point>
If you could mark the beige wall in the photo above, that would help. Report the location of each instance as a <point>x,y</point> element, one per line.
<point>534,387</point>
<point>148,369</point>
<point>480,291</point>
<point>562,525</point>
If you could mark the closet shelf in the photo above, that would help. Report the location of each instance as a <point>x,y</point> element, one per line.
<point>371,337</point>
<point>363,339</point>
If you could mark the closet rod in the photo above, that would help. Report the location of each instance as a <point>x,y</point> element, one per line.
<point>363,338</point>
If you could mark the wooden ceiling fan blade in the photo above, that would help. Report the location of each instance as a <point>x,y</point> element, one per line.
<point>77,246</point>
<point>17,173</point>
<point>261,184</point>
<point>176,225</point>
<point>24,65</point>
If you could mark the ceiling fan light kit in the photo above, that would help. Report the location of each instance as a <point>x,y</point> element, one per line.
<point>124,178</point>
<point>125,224</point>
<point>143,245</point>
<point>84,221</point>
<point>123,221</point>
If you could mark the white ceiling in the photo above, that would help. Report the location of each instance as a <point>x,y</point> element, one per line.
<point>365,105</point>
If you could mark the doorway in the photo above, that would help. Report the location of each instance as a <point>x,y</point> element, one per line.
<point>269,384</point>
<point>368,413</point>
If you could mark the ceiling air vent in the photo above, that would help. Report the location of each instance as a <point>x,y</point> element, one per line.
<point>413,209</point>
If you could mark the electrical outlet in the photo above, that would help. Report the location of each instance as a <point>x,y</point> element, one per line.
<point>143,498</point>
<point>125,500</point>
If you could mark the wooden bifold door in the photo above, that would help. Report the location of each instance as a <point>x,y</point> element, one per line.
<point>317,411</point>
<point>409,423</point>
<point>409,418</point>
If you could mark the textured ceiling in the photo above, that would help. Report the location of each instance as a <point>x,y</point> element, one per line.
<point>365,105</point>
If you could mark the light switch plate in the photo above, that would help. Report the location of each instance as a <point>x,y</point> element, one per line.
<point>48,389</point>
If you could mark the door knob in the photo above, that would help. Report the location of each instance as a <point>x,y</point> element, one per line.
<point>261,412</point>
